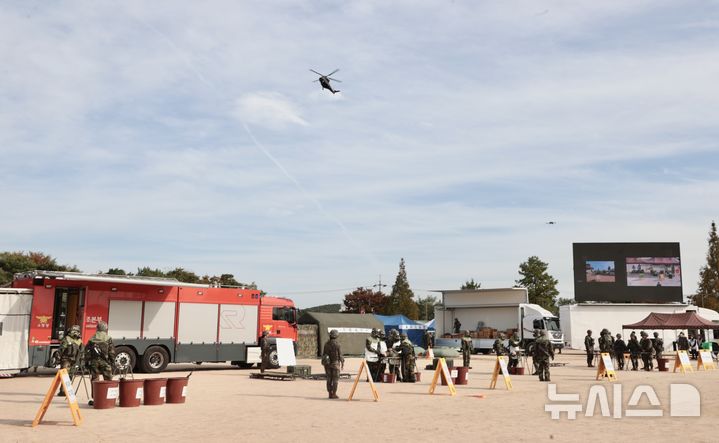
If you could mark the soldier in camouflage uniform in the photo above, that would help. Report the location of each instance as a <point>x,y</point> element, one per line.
<point>100,354</point>
<point>333,361</point>
<point>70,353</point>
<point>647,350</point>
<point>393,342</point>
<point>589,348</point>
<point>265,350</point>
<point>406,349</point>
<point>634,351</point>
<point>373,354</point>
<point>70,350</point>
<point>658,347</point>
<point>543,351</point>
<point>466,349</point>
<point>514,346</point>
<point>605,342</point>
<point>498,345</point>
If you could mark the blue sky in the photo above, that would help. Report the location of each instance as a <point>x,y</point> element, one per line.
<point>190,134</point>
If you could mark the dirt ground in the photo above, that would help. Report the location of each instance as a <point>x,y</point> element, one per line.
<point>223,403</point>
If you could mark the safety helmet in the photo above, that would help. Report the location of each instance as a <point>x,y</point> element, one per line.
<point>466,333</point>
<point>605,331</point>
<point>403,335</point>
<point>644,334</point>
<point>334,333</point>
<point>102,326</point>
<point>75,328</point>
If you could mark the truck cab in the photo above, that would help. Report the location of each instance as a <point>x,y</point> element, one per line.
<point>533,317</point>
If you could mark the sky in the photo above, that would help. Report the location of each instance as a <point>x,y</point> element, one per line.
<point>190,134</point>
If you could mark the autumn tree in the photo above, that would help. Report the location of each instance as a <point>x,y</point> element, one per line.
<point>541,287</point>
<point>707,295</point>
<point>364,300</point>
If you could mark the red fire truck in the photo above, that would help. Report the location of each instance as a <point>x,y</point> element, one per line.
<point>153,321</point>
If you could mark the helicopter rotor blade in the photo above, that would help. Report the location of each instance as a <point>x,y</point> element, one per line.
<point>321,75</point>
<point>315,81</point>
<point>335,80</point>
<point>333,72</point>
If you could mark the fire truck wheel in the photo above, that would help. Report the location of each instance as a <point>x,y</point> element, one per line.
<point>155,359</point>
<point>274,360</point>
<point>124,359</point>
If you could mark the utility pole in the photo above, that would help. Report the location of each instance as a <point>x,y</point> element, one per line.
<point>379,285</point>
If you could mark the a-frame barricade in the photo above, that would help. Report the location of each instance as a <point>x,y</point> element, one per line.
<point>61,380</point>
<point>500,366</point>
<point>605,368</point>
<point>442,371</point>
<point>364,368</point>
<point>681,361</point>
<point>705,360</point>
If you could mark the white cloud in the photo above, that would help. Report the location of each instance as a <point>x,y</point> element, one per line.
<point>269,109</point>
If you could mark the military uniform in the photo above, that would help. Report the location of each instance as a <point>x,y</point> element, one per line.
<point>406,349</point>
<point>498,346</point>
<point>393,343</point>
<point>100,353</point>
<point>428,339</point>
<point>514,345</point>
<point>333,361</point>
<point>70,351</point>
<point>682,342</point>
<point>647,349</point>
<point>658,347</point>
<point>605,342</point>
<point>466,349</point>
<point>619,349</point>
<point>543,351</point>
<point>634,351</point>
<point>589,348</point>
<point>265,350</point>
<point>373,354</point>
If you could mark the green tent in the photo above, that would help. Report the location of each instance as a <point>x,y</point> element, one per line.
<point>353,328</point>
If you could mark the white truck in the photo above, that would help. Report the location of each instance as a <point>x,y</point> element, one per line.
<point>499,309</point>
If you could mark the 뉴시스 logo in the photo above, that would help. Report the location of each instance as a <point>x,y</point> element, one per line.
<point>684,401</point>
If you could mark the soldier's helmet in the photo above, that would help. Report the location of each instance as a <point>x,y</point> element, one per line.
<point>536,333</point>
<point>394,333</point>
<point>605,331</point>
<point>101,326</point>
<point>75,331</point>
<point>502,336</point>
<point>403,336</point>
<point>374,332</point>
<point>334,333</point>
<point>265,333</point>
<point>644,334</point>
<point>466,333</point>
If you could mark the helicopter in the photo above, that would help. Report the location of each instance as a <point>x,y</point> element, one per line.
<point>325,80</point>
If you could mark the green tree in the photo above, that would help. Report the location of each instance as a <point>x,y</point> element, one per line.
<point>541,286</point>
<point>471,284</point>
<point>707,294</point>
<point>426,305</point>
<point>116,271</point>
<point>149,272</point>
<point>561,301</point>
<point>183,275</point>
<point>401,300</point>
<point>14,262</point>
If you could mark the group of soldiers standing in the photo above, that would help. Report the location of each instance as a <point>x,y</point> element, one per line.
<point>395,353</point>
<point>97,355</point>
<point>646,348</point>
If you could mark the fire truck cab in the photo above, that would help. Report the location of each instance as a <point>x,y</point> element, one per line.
<point>153,321</point>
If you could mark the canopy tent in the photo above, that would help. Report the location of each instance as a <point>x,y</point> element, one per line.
<point>353,328</point>
<point>430,324</point>
<point>414,330</point>
<point>683,320</point>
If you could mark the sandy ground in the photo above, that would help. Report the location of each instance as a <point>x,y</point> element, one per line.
<point>223,403</point>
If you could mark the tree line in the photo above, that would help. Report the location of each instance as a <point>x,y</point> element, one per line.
<point>20,261</point>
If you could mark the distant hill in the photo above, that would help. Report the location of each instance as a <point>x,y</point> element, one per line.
<point>331,309</point>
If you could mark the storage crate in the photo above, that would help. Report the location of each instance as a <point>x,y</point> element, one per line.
<point>300,370</point>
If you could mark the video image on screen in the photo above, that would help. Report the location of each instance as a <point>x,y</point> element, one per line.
<point>600,271</point>
<point>654,271</point>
